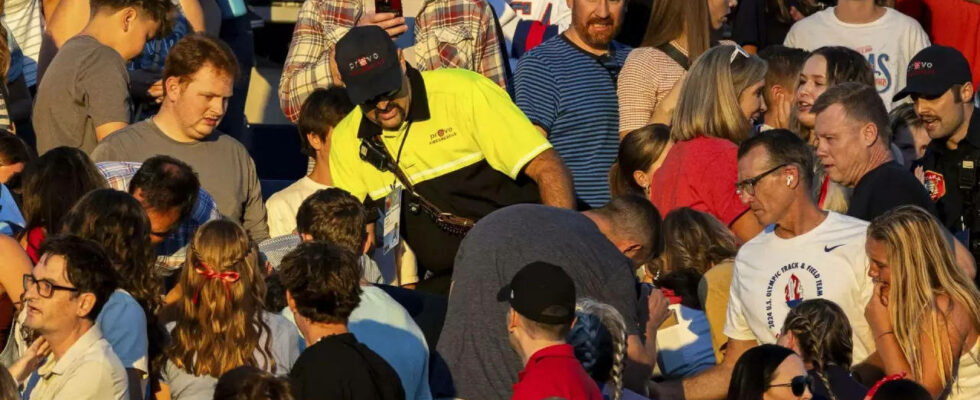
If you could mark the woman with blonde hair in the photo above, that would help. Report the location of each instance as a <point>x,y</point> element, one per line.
<point>221,324</point>
<point>925,311</point>
<point>818,330</point>
<point>717,103</point>
<point>678,32</point>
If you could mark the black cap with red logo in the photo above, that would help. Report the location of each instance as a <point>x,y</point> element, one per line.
<point>933,71</point>
<point>368,63</point>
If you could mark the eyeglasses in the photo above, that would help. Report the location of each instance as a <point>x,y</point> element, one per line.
<point>44,287</point>
<point>738,50</point>
<point>747,186</point>
<point>799,384</point>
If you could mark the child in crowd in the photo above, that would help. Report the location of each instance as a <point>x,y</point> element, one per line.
<point>220,321</point>
<point>320,113</point>
<point>698,246</point>
<point>896,387</point>
<point>781,78</point>
<point>250,383</point>
<point>86,95</point>
<point>818,330</point>
<point>322,289</point>
<point>641,153</point>
<point>542,311</point>
<point>599,339</point>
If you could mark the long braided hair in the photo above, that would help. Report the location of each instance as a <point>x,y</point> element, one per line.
<point>824,335</point>
<point>599,339</point>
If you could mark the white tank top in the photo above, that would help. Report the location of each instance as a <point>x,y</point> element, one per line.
<point>967,384</point>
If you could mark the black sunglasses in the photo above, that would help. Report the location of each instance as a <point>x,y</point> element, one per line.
<point>799,384</point>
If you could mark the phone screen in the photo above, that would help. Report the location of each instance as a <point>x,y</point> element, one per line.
<point>388,6</point>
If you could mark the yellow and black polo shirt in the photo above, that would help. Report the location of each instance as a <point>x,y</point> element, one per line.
<point>465,151</point>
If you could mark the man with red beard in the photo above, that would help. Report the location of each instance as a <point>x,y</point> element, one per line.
<point>198,78</point>
<point>940,84</point>
<point>567,88</point>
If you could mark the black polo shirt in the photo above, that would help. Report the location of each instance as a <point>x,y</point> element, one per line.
<point>942,171</point>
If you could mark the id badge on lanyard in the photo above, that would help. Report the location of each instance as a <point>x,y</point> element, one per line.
<point>392,219</point>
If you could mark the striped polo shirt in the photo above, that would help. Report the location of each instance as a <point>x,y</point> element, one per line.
<point>571,94</point>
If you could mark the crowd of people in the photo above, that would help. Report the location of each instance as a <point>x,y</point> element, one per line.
<point>579,199</point>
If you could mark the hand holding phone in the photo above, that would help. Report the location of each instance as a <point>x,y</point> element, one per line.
<point>388,6</point>
<point>391,22</point>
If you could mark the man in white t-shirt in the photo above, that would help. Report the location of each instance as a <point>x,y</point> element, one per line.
<point>886,37</point>
<point>804,253</point>
<point>321,111</point>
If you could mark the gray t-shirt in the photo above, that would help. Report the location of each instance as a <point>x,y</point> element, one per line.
<point>285,350</point>
<point>226,170</point>
<point>85,86</point>
<point>474,340</point>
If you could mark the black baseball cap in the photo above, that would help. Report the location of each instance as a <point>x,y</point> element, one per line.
<point>933,71</point>
<point>368,63</point>
<point>541,292</point>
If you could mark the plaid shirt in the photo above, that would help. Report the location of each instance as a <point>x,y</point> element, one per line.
<point>170,253</point>
<point>448,33</point>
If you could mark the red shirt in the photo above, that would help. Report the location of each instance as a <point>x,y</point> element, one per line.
<point>555,372</point>
<point>953,23</point>
<point>699,173</point>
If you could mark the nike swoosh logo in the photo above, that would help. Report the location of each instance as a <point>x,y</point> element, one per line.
<point>830,249</point>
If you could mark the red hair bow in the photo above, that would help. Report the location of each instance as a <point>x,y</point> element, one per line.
<point>889,378</point>
<point>227,278</point>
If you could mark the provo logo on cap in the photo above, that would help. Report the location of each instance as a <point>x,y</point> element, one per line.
<point>921,68</point>
<point>364,64</point>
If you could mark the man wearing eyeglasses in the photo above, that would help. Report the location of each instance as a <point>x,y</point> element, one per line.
<point>62,298</point>
<point>452,134</point>
<point>804,253</point>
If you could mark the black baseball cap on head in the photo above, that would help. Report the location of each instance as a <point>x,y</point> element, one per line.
<point>368,63</point>
<point>933,71</point>
<point>541,292</point>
